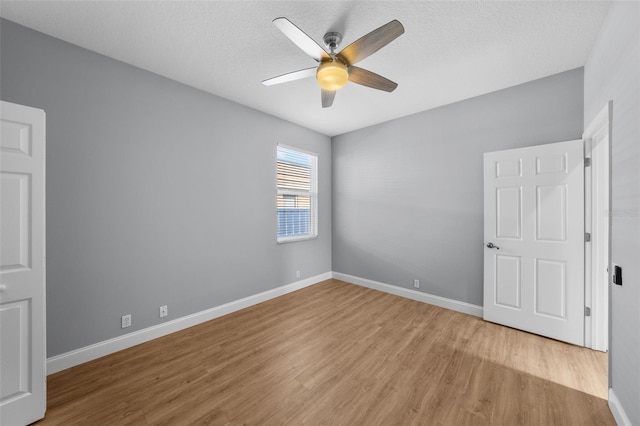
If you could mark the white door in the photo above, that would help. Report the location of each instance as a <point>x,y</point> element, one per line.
<point>22,269</point>
<point>534,239</point>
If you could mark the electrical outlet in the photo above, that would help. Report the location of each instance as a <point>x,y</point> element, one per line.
<point>297,274</point>
<point>164,311</point>
<point>126,321</point>
<point>416,283</point>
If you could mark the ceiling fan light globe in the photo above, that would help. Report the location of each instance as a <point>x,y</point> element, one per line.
<point>332,75</point>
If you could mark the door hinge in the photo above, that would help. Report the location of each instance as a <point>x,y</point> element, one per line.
<point>587,237</point>
<point>587,311</point>
<point>587,162</point>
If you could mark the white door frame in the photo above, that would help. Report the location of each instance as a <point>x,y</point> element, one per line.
<point>597,137</point>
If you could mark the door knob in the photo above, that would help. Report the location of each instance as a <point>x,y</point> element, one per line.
<point>2,288</point>
<point>491,245</point>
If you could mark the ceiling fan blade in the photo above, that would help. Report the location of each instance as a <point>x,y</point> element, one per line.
<point>291,76</point>
<point>327,98</point>
<point>372,42</point>
<point>370,79</point>
<point>301,39</point>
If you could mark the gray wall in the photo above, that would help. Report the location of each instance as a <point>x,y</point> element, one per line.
<point>157,193</point>
<point>408,194</point>
<point>612,72</point>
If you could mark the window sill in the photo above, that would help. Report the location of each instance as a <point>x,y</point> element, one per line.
<point>295,239</point>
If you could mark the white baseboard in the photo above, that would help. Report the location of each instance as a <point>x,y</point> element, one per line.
<point>88,353</point>
<point>617,410</point>
<point>431,299</point>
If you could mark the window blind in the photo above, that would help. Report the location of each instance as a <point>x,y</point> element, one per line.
<point>297,194</point>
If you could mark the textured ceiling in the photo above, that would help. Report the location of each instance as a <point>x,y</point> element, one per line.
<point>450,50</point>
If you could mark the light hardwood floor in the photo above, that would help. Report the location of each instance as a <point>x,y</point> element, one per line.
<point>338,354</point>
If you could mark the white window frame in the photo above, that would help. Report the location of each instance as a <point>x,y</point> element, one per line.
<point>312,194</point>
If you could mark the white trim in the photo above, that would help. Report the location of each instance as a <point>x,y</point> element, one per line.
<point>443,302</point>
<point>100,349</point>
<point>285,240</point>
<point>295,148</point>
<point>589,321</point>
<point>599,120</point>
<point>617,410</point>
<point>597,138</point>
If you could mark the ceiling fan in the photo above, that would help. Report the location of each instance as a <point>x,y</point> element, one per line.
<point>335,69</point>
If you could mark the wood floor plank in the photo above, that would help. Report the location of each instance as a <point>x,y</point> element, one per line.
<point>338,354</point>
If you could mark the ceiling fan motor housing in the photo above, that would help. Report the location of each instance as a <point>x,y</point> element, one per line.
<point>332,40</point>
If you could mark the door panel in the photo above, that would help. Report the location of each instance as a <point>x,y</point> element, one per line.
<point>534,216</point>
<point>508,168</point>
<point>15,342</point>
<point>551,288</point>
<point>551,164</point>
<point>22,264</point>
<point>551,213</point>
<point>508,210</point>
<point>508,281</point>
<point>15,138</point>
<point>15,213</point>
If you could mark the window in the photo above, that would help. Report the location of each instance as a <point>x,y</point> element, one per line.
<point>297,199</point>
